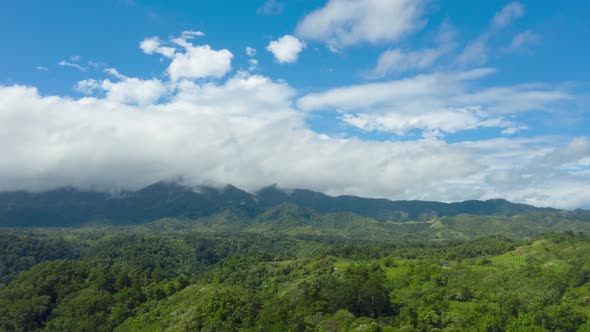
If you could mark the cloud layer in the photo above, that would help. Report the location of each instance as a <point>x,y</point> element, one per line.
<point>209,122</point>
<point>435,103</point>
<point>245,131</point>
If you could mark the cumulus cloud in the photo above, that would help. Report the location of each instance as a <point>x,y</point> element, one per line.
<point>153,45</point>
<point>200,62</point>
<point>41,68</point>
<point>189,61</point>
<point>286,49</point>
<point>87,86</point>
<point>342,23</point>
<point>242,132</point>
<point>134,91</point>
<point>128,90</point>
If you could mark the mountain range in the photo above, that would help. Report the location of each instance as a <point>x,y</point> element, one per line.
<point>71,207</point>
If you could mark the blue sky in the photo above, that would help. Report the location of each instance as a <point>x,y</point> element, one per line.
<point>441,100</point>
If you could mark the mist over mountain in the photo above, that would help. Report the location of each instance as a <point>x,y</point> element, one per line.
<point>69,206</point>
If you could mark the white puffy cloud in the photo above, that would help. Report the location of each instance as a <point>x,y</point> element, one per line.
<point>190,61</point>
<point>134,91</point>
<point>286,49</point>
<point>342,23</point>
<point>87,86</point>
<point>149,45</point>
<point>128,90</point>
<point>242,94</point>
<point>242,132</point>
<point>200,62</point>
<point>41,68</point>
<point>154,45</point>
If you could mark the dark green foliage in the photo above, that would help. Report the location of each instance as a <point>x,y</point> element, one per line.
<point>20,252</point>
<point>361,290</point>
<point>131,279</point>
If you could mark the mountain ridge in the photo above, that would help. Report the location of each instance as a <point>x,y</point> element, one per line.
<point>70,206</point>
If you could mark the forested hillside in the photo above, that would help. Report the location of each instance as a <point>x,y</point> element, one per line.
<point>170,258</point>
<point>136,279</point>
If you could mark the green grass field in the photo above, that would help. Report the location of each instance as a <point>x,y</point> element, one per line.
<point>508,259</point>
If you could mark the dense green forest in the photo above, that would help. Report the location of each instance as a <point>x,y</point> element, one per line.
<point>165,276</point>
<point>172,258</point>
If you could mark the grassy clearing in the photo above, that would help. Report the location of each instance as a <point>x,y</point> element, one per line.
<point>343,263</point>
<point>508,259</point>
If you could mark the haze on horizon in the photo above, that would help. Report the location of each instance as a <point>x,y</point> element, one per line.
<point>400,99</point>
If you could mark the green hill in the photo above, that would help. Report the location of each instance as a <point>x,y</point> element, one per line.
<point>128,279</point>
